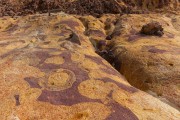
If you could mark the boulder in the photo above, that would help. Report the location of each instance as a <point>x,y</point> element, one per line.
<point>153,28</point>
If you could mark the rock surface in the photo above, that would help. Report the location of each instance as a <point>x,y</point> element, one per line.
<point>149,62</point>
<point>49,70</point>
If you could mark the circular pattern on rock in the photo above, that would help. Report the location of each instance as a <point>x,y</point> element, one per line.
<point>94,89</point>
<point>77,57</point>
<point>60,80</point>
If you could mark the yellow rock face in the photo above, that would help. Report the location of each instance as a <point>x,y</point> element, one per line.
<point>49,70</point>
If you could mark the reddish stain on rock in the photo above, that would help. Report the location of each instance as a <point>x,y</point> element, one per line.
<point>107,69</point>
<point>132,38</point>
<point>120,113</point>
<point>48,66</point>
<point>153,49</point>
<point>33,82</point>
<point>42,55</point>
<point>71,96</point>
<point>98,33</point>
<point>17,100</point>
<point>120,85</point>
<point>12,52</point>
<point>135,35</point>
<point>67,97</point>
<point>70,23</point>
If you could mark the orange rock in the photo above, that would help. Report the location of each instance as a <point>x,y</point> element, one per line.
<point>45,76</point>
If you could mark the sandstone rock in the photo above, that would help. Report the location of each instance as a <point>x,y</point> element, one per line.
<point>44,75</point>
<point>149,62</point>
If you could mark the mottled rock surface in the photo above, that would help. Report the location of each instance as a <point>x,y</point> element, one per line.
<point>149,62</point>
<point>49,70</point>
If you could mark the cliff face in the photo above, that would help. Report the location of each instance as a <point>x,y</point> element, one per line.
<point>49,70</point>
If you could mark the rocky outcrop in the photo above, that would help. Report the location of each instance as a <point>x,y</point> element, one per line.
<point>49,70</point>
<point>89,7</point>
<point>150,63</point>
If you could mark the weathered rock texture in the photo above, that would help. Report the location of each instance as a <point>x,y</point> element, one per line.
<point>49,70</point>
<point>149,62</point>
